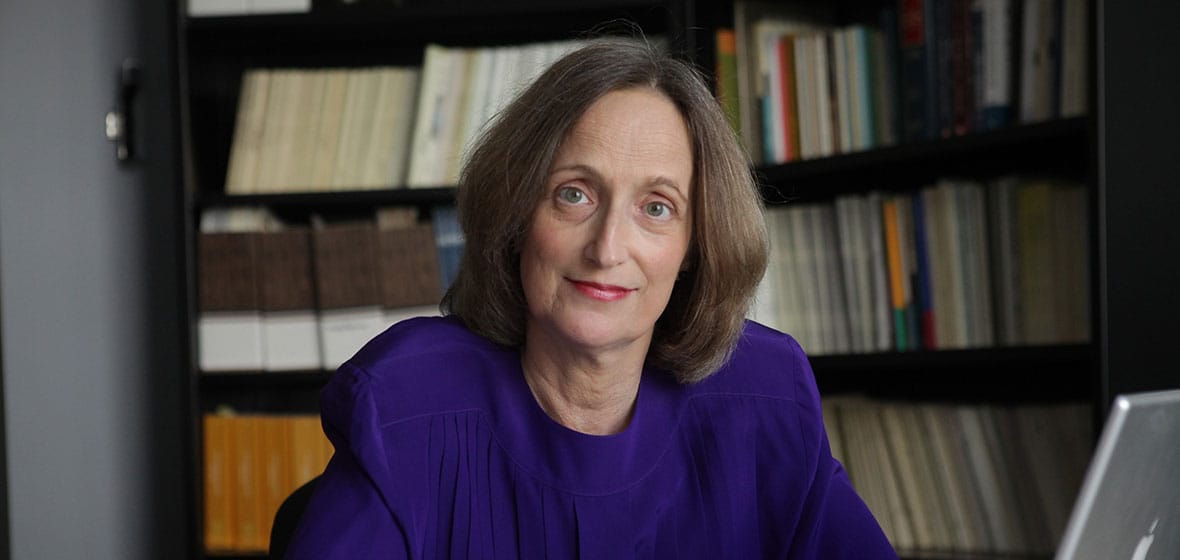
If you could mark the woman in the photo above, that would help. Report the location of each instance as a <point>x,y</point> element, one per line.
<point>595,390</point>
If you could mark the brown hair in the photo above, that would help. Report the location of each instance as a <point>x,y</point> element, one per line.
<point>504,177</point>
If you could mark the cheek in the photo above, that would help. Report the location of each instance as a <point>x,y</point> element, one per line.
<point>537,265</point>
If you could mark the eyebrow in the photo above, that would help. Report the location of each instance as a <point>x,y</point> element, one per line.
<point>652,182</point>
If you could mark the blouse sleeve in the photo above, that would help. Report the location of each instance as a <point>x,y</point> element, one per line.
<point>834,522</point>
<point>349,515</point>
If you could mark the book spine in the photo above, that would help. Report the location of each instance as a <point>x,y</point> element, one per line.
<point>896,274</point>
<point>727,79</point>
<point>790,107</point>
<point>916,79</point>
<point>925,301</point>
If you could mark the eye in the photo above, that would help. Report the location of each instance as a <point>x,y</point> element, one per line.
<point>657,209</point>
<point>571,195</point>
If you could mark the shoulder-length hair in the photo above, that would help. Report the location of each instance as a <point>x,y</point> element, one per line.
<point>504,178</point>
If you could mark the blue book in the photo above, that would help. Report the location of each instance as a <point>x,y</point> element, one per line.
<point>925,301</point>
<point>448,238</point>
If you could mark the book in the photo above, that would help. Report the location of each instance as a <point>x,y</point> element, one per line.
<point>962,86</point>
<point>905,228</point>
<point>826,108</point>
<point>229,323</point>
<point>345,263</point>
<point>752,65</point>
<point>773,79</point>
<point>448,240</point>
<point>215,8</point>
<point>361,98</point>
<point>850,264</point>
<point>924,296</point>
<point>432,97</point>
<point>884,51</point>
<point>408,267</point>
<point>940,14</point>
<point>838,310</point>
<point>1037,90</point>
<point>241,174</point>
<point>725,56</point>
<point>897,277</point>
<point>279,6</point>
<point>870,471</point>
<point>766,308</point>
<point>475,110</point>
<point>327,140</point>
<point>290,323</point>
<point>841,70</point>
<point>1033,225</point>
<point>948,474</point>
<point>811,333</point>
<point>789,100</point>
<point>1004,249</point>
<point>247,483</point>
<point>1074,90</point>
<point>914,490</point>
<point>386,146</point>
<point>807,105</point>
<point>299,157</point>
<point>882,306</point>
<point>310,450</point>
<point>860,44</point>
<point>279,132</point>
<point>275,476</point>
<point>980,251</point>
<point>940,251</point>
<point>996,86</point>
<point>918,70</point>
<point>217,477</point>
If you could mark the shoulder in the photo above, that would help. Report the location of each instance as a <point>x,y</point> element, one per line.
<point>765,363</point>
<point>418,367</point>
<point>767,388</point>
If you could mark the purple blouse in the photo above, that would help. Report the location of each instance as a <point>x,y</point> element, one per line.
<point>442,452</point>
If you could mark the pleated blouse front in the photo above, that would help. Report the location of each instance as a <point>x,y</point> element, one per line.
<point>442,452</point>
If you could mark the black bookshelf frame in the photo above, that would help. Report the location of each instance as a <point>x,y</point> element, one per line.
<point>214,51</point>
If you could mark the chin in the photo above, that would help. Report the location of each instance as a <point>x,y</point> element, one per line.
<point>598,333</point>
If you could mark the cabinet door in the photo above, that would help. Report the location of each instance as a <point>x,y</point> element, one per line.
<point>88,291</point>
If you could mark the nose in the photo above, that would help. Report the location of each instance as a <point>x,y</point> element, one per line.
<point>606,247</point>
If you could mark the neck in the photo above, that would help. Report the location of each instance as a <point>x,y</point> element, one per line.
<point>589,392</point>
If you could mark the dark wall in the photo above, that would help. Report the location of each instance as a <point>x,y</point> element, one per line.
<point>1139,92</point>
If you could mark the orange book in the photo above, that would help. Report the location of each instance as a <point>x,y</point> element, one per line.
<point>276,472</point>
<point>218,482</point>
<point>247,496</point>
<point>307,449</point>
<point>897,276</point>
<point>790,104</point>
<point>727,76</point>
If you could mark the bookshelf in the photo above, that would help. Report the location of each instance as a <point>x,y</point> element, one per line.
<point>215,52</point>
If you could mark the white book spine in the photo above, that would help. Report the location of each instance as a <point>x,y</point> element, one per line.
<point>230,341</point>
<point>279,6</point>
<point>213,8</point>
<point>344,331</point>
<point>291,340</point>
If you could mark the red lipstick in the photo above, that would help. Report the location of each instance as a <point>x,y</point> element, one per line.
<point>601,292</point>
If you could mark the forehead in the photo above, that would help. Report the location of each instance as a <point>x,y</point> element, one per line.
<point>635,126</point>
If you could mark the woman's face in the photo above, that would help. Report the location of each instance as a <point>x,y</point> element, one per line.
<point>611,232</point>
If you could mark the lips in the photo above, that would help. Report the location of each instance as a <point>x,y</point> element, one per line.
<point>601,292</point>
